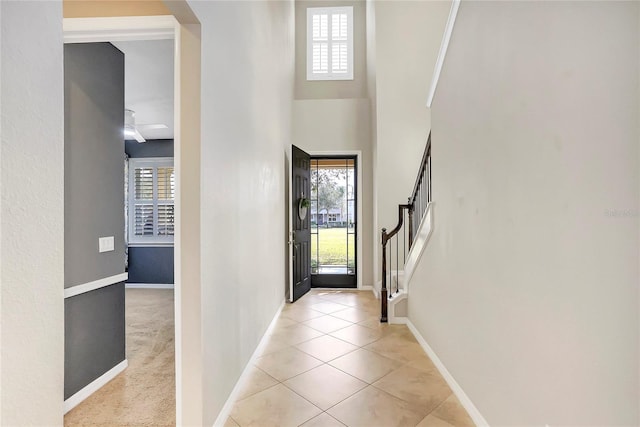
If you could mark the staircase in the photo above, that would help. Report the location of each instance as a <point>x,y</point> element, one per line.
<point>403,246</point>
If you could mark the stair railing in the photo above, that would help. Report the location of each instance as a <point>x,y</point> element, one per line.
<point>402,236</point>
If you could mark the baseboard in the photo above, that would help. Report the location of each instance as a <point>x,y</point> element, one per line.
<point>228,405</point>
<point>149,285</point>
<point>475,415</point>
<point>94,386</point>
<point>366,288</point>
<point>398,321</point>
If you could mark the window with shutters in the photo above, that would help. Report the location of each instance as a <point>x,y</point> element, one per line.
<point>330,43</point>
<point>152,187</point>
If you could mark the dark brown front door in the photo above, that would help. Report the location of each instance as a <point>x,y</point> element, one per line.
<point>301,223</point>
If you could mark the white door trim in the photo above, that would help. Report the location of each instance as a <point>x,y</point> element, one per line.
<point>125,28</point>
<point>130,28</point>
<point>358,154</point>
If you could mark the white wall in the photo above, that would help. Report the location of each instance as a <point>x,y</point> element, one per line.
<point>326,125</point>
<point>407,40</point>
<point>335,115</point>
<point>247,91</point>
<point>32,205</point>
<point>528,290</point>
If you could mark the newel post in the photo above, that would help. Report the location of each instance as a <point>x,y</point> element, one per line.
<point>383,290</point>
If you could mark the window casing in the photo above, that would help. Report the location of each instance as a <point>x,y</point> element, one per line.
<point>151,201</point>
<point>330,43</point>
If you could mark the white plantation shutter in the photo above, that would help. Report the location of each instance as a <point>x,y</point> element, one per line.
<point>151,204</point>
<point>330,43</point>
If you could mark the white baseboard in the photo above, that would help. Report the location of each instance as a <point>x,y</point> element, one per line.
<point>148,285</point>
<point>475,415</point>
<point>228,405</point>
<point>366,288</point>
<point>94,386</point>
<point>398,321</point>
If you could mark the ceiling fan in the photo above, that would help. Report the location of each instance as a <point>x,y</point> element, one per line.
<point>133,130</point>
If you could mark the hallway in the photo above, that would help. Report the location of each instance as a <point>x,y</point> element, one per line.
<point>329,362</point>
<point>144,394</point>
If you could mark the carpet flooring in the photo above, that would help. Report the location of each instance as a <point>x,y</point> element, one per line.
<point>144,394</point>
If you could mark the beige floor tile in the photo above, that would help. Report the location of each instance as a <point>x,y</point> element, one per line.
<point>327,324</point>
<point>310,299</point>
<point>373,322</point>
<point>282,322</point>
<point>273,344</point>
<point>297,333</point>
<point>374,408</point>
<point>454,413</point>
<point>433,421</point>
<point>397,347</point>
<point>352,315</point>
<point>352,298</point>
<point>276,406</point>
<point>323,420</point>
<point>326,348</point>
<point>357,335</point>
<point>426,390</point>
<point>231,423</point>
<point>328,307</point>
<point>257,380</point>
<point>365,365</point>
<point>325,386</point>
<point>286,363</point>
<point>300,313</point>
<point>423,363</point>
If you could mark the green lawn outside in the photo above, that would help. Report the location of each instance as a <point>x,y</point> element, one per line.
<point>333,246</point>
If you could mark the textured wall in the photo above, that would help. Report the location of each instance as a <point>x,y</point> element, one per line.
<point>246,106</point>
<point>528,288</point>
<point>32,209</point>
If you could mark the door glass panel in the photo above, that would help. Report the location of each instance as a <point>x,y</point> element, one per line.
<point>333,216</point>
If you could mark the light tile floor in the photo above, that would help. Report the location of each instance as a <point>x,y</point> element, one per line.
<point>330,362</point>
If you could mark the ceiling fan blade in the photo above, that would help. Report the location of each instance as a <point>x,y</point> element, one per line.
<point>139,137</point>
<point>152,126</point>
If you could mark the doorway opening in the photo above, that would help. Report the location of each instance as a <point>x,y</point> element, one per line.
<point>334,230</point>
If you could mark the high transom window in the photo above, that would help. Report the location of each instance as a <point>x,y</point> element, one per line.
<point>330,43</point>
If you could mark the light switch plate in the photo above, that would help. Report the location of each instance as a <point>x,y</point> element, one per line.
<point>105,244</point>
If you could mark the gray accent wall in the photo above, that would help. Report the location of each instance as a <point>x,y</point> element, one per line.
<point>93,161</point>
<point>94,332</point>
<point>150,264</point>
<point>151,148</point>
<point>94,207</point>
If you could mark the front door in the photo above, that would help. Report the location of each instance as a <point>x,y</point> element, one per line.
<point>300,223</point>
<point>334,230</point>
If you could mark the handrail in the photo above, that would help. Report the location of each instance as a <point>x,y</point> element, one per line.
<point>423,166</point>
<point>415,208</point>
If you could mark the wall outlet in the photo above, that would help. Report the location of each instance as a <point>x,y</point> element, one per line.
<point>105,244</point>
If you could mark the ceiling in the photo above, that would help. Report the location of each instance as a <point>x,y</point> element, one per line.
<point>149,84</point>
